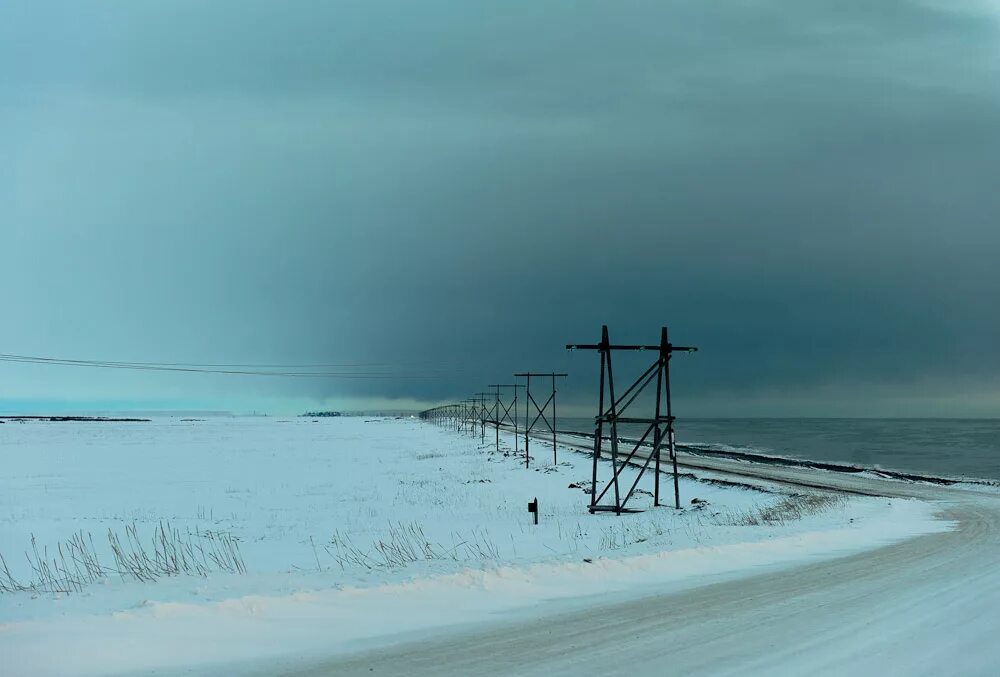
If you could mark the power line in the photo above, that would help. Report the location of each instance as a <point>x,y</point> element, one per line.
<point>252,370</point>
<point>213,365</point>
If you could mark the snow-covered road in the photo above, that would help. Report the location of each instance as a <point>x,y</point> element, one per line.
<point>927,605</point>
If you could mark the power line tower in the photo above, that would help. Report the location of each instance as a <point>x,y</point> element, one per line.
<point>505,412</point>
<point>529,401</point>
<point>471,415</point>
<point>612,415</point>
<point>484,414</point>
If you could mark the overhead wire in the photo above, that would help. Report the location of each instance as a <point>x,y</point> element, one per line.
<point>228,369</point>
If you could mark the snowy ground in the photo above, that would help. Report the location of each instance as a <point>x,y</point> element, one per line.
<point>355,533</point>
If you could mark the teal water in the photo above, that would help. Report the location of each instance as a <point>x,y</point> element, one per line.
<point>944,447</point>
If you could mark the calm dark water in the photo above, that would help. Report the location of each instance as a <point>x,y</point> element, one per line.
<point>968,447</point>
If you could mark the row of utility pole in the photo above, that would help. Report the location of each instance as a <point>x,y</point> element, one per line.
<point>478,412</point>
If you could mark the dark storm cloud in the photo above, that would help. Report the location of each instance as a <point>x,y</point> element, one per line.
<point>804,190</point>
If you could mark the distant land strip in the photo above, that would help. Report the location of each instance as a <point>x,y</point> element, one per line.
<point>61,419</point>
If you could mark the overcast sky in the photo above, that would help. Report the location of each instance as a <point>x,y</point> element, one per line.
<point>806,190</point>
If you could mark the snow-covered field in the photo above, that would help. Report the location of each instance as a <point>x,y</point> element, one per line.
<point>353,533</point>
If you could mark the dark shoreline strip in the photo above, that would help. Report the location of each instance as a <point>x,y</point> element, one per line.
<point>707,451</point>
<point>63,419</point>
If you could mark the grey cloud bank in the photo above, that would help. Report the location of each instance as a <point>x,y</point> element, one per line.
<point>806,191</point>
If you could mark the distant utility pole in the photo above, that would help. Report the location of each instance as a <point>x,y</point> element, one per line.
<point>445,415</point>
<point>660,370</point>
<point>484,414</point>
<point>503,411</point>
<point>530,400</point>
<point>471,414</point>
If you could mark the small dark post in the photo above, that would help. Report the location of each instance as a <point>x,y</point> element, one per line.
<point>533,508</point>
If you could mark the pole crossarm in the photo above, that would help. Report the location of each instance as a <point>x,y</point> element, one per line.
<point>661,424</point>
<point>600,346</point>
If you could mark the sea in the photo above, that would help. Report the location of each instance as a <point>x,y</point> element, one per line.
<point>941,447</point>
